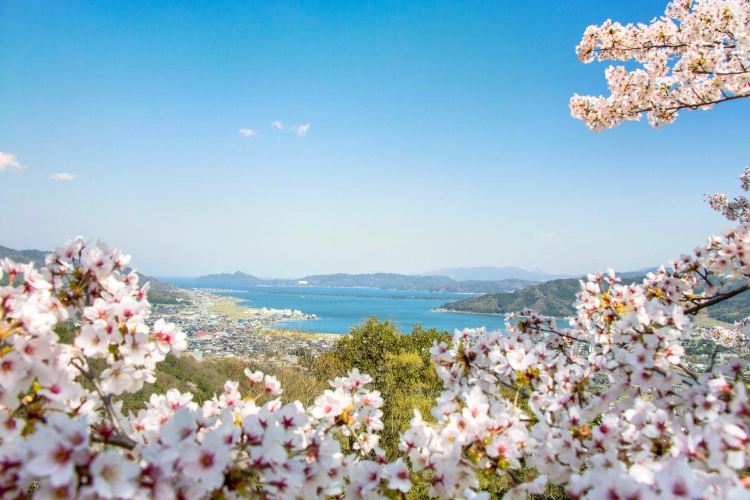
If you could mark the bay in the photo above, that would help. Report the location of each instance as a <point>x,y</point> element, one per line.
<point>338,309</point>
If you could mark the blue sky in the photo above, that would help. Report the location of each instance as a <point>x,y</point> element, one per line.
<point>439,135</point>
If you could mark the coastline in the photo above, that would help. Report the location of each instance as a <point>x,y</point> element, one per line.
<point>219,326</point>
<point>231,308</point>
<point>217,310</point>
<point>443,310</point>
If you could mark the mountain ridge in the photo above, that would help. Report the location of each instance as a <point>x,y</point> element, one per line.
<point>385,281</point>
<point>493,273</point>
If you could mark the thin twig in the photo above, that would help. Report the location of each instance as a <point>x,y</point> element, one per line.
<point>688,372</point>
<point>107,400</point>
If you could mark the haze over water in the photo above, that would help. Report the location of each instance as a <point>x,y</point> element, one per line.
<point>338,309</point>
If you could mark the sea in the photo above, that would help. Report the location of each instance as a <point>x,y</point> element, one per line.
<point>338,309</point>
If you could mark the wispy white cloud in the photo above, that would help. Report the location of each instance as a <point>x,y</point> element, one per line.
<point>277,125</point>
<point>546,235</point>
<point>62,176</point>
<point>9,161</point>
<point>301,130</point>
<point>247,132</point>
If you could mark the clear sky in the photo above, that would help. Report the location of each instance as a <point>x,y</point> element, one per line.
<point>415,135</point>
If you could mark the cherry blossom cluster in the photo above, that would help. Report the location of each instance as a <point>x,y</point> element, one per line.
<point>737,209</point>
<point>64,433</point>
<point>608,397</point>
<point>90,288</point>
<point>357,413</point>
<point>236,444</point>
<point>606,407</point>
<point>695,56</point>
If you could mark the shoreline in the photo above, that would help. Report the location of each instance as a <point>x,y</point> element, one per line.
<point>443,310</point>
<point>230,307</point>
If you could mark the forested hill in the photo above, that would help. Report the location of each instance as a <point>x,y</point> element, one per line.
<point>158,293</point>
<point>551,298</point>
<point>385,281</point>
<point>731,310</point>
<point>556,298</point>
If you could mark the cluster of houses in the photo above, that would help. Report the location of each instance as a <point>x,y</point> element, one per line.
<point>214,334</point>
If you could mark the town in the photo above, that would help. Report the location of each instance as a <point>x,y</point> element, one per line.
<point>216,326</point>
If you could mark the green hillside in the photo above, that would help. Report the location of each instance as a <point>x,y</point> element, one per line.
<point>731,310</point>
<point>552,298</point>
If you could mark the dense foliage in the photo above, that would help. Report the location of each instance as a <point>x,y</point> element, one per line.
<point>400,366</point>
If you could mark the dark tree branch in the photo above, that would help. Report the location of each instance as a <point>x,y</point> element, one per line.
<point>116,440</point>
<point>696,105</point>
<point>716,299</point>
<point>561,334</point>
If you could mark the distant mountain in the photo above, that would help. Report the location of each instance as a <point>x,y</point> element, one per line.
<point>488,273</point>
<point>385,281</point>
<point>35,256</point>
<point>237,278</point>
<point>158,292</point>
<point>393,281</point>
<point>639,273</point>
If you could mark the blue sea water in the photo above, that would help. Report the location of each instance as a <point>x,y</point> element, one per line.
<point>338,309</point>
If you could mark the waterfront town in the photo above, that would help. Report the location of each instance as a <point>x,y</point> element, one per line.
<point>217,326</point>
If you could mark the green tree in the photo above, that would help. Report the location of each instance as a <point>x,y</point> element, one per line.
<point>400,366</point>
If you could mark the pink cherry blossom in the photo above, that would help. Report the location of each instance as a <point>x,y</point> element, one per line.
<point>693,57</point>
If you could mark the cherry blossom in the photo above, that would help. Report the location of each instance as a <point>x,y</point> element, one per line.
<point>694,56</point>
<point>738,209</point>
<point>113,476</point>
<point>602,405</point>
<point>609,396</point>
<point>63,429</point>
